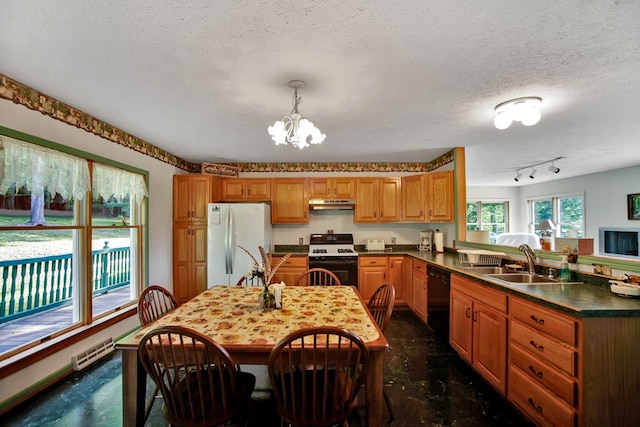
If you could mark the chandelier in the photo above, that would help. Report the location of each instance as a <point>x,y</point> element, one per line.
<point>524,110</point>
<point>295,129</point>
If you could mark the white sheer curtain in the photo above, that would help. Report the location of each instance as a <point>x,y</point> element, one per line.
<point>109,181</point>
<point>38,168</point>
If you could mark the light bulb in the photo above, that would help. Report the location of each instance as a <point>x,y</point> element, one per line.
<point>502,120</point>
<point>531,115</point>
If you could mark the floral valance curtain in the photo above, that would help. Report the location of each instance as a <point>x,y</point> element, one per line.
<point>109,181</point>
<point>37,168</point>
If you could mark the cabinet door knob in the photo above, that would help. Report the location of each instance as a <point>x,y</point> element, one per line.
<point>467,312</point>
<point>475,316</point>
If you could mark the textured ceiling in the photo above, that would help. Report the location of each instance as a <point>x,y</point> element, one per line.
<point>386,80</point>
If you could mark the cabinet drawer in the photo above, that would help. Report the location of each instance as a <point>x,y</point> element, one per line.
<point>420,267</point>
<point>544,320</point>
<point>543,374</point>
<point>541,346</point>
<point>372,261</point>
<point>481,293</point>
<point>541,406</point>
<point>298,261</point>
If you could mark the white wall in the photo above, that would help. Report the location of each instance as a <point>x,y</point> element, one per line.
<point>160,224</point>
<point>605,196</point>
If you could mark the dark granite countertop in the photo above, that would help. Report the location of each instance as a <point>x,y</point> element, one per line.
<point>577,299</point>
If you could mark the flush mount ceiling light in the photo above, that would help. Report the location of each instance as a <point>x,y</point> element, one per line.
<point>295,129</point>
<point>532,175</point>
<point>524,110</point>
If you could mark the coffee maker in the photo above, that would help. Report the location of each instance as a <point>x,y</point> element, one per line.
<point>426,240</point>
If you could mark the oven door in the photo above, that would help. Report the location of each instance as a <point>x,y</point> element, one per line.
<point>345,269</point>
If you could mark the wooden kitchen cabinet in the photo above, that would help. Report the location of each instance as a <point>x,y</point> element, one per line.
<point>291,269</point>
<point>414,198</point>
<point>191,194</point>
<point>440,196</point>
<point>189,260</point>
<point>378,200</point>
<point>246,189</point>
<point>543,363</point>
<point>372,272</point>
<point>478,328</point>
<point>332,188</point>
<point>289,201</point>
<point>399,266</point>
<point>419,289</point>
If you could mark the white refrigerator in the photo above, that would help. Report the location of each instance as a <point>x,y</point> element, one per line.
<point>230,225</point>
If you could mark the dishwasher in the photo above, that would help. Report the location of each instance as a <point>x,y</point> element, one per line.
<point>438,288</point>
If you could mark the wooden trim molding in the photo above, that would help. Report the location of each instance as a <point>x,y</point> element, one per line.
<point>33,99</point>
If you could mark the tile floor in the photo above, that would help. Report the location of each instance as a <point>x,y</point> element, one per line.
<point>426,381</point>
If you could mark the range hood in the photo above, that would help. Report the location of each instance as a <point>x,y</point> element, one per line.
<point>331,204</point>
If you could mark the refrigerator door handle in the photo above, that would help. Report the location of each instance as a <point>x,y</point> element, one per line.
<point>227,242</point>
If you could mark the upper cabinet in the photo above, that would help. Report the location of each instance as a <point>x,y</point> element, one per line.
<point>289,201</point>
<point>332,188</point>
<point>191,194</point>
<point>242,189</point>
<point>414,198</point>
<point>378,200</point>
<point>428,197</point>
<point>440,196</point>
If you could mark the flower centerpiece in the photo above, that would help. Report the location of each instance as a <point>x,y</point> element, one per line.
<point>264,272</point>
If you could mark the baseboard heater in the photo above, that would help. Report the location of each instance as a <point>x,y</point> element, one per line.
<point>84,359</point>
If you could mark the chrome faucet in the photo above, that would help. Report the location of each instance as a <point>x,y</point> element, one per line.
<point>531,257</point>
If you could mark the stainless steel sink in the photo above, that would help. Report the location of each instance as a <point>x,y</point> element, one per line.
<point>490,270</point>
<point>524,279</point>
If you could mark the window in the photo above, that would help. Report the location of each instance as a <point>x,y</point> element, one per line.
<point>47,220</point>
<point>565,211</point>
<point>492,216</point>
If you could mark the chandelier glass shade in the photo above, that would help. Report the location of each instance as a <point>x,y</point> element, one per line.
<point>523,110</point>
<point>294,129</point>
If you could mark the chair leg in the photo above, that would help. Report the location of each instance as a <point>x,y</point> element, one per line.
<point>388,402</point>
<point>154,396</point>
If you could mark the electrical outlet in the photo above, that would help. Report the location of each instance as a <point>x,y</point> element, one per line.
<point>393,240</point>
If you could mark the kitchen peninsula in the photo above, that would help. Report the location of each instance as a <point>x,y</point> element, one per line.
<point>562,354</point>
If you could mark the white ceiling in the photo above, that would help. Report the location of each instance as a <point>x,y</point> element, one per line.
<point>386,80</point>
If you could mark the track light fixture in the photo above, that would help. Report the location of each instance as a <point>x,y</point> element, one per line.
<point>532,175</point>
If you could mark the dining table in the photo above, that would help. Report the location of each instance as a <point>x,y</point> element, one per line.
<point>232,317</point>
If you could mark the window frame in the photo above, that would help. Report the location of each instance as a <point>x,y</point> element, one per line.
<point>555,200</point>
<point>86,322</point>
<point>480,224</point>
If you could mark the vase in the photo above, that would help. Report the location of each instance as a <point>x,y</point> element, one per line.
<point>266,299</point>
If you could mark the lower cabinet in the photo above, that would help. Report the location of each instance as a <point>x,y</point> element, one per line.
<point>372,272</point>
<point>399,276</point>
<point>419,289</point>
<point>543,363</point>
<point>556,369</point>
<point>478,328</point>
<point>291,269</point>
